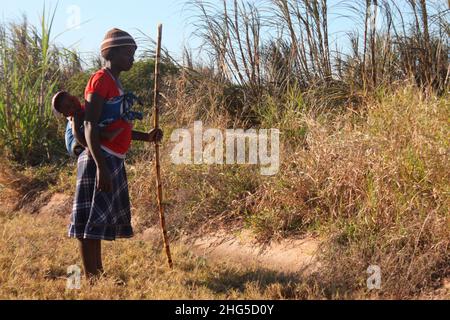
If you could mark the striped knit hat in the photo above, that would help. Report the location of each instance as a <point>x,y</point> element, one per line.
<point>117,38</point>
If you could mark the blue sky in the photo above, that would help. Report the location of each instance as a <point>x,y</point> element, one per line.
<point>98,16</point>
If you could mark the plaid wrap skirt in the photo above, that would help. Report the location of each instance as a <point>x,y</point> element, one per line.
<point>99,215</point>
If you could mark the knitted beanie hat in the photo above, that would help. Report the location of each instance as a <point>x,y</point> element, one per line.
<point>117,38</point>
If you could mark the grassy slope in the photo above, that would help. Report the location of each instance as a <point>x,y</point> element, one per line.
<point>35,254</point>
<point>373,182</point>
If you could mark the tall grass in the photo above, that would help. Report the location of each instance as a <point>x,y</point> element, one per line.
<point>265,45</point>
<point>31,71</point>
<point>372,181</point>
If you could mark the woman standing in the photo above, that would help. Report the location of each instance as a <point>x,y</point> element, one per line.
<point>101,208</point>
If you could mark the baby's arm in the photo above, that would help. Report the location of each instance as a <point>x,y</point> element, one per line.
<point>77,122</point>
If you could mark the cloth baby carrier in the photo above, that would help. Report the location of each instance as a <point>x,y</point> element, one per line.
<point>113,110</point>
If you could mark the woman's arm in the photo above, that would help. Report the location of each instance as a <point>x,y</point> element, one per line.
<point>94,106</point>
<point>154,135</point>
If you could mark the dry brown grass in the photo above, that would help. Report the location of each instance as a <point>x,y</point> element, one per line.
<point>378,184</point>
<point>374,182</point>
<point>35,255</point>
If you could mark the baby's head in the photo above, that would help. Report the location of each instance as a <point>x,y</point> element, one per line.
<point>66,104</point>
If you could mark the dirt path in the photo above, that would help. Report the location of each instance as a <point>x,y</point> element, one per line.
<point>291,256</point>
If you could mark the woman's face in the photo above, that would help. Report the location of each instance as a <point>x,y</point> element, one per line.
<point>124,58</point>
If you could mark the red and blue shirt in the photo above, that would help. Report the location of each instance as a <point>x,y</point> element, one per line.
<point>103,84</point>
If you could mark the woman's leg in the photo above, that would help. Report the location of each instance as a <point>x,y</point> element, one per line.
<point>99,257</point>
<point>88,249</point>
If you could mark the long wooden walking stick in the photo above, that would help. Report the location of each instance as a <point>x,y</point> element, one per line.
<point>157,155</point>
